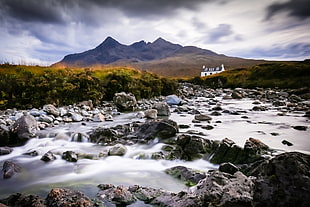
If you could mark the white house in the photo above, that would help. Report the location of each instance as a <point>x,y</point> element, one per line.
<point>210,71</point>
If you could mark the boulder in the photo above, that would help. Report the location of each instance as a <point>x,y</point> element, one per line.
<point>125,102</point>
<point>187,175</point>
<point>65,197</point>
<point>173,100</point>
<point>4,135</point>
<point>77,117</point>
<point>151,114</point>
<point>228,167</point>
<point>70,156</point>
<point>223,189</point>
<point>117,150</point>
<point>9,169</point>
<point>119,195</point>
<point>236,95</point>
<point>99,118</point>
<point>158,128</point>
<point>23,200</point>
<point>49,156</point>
<point>23,129</point>
<point>283,181</point>
<point>51,109</point>
<point>162,109</point>
<point>5,150</point>
<point>103,136</point>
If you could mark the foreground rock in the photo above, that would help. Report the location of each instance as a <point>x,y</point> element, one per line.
<point>9,169</point>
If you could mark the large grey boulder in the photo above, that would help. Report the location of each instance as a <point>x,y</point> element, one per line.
<point>23,129</point>
<point>125,102</point>
<point>162,109</point>
<point>51,109</point>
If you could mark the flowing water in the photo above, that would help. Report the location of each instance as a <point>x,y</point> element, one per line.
<point>39,177</point>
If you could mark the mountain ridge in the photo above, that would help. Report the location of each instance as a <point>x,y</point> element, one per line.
<point>160,56</point>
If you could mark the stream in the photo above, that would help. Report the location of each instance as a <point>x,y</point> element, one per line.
<point>38,177</point>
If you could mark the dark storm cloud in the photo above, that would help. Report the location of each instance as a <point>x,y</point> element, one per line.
<point>296,8</point>
<point>60,11</point>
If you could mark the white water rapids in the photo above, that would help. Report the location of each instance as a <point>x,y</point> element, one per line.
<point>39,177</point>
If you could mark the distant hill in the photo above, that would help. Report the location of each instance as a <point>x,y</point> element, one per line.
<point>161,57</point>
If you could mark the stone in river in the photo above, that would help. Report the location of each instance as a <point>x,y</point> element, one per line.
<point>125,102</point>
<point>301,128</point>
<point>162,109</point>
<point>5,150</point>
<point>117,150</point>
<point>173,100</point>
<point>202,117</point>
<point>51,109</point>
<point>23,129</point>
<point>70,156</point>
<point>285,142</point>
<point>151,113</point>
<point>9,169</point>
<point>49,156</point>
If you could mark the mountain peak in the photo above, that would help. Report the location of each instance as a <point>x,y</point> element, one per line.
<point>108,43</point>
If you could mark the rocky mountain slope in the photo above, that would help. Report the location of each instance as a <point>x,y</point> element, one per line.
<point>161,57</point>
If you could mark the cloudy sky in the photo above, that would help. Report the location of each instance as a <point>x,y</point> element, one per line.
<point>44,31</point>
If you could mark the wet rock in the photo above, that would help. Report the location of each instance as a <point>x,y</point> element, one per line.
<point>119,195</point>
<point>99,118</point>
<point>5,150</point>
<point>125,102</point>
<point>77,117</point>
<point>159,128</point>
<point>207,127</point>
<point>46,118</point>
<point>51,109</point>
<point>9,169</point>
<point>23,129</point>
<point>151,113</point>
<point>103,136</point>
<point>301,128</point>
<point>86,104</point>
<point>117,150</point>
<point>187,175</point>
<point>259,108</point>
<point>49,156</point>
<point>215,113</point>
<point>236,95</point>
<point>223,189</point>
<point>162,109</point>
<point>23,200</point>
<point>193,147</point>
<point>4,135</point>
<point>173,100</point>
<point>202,117</point>
<point>65,197</point>
<point>285,142</point>
<point>228,167</point>
<point>283,181</point>
<point>70,156</point>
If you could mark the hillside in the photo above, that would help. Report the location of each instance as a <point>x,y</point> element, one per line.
<point>161,57</point>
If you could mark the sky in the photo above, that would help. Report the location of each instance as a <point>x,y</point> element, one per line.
<point>44,31</point>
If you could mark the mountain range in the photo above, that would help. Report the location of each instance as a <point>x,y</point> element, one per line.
<point>161,57</point>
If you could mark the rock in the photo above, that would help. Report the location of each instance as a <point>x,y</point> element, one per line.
<point>117,150</point>
<point>65,197</point>
<point>236,95</point>
<point>46,118</point>
<point>228,167</point>
<point>5,138</point>
<point>202,117</point>
<point>285,142</point>
<point>23,200</point>
<point>23,129</point>
<point>70,156</point>
<point>159,128</point>
<point>9,169</point>
<point>119,195</point>
<point>173,100</point>
<point>207,127</point>
<point>151,114</point>
<point>51,109</point>
<point>187,175</point>
<point>162,109</point>
<point>223,189</point>
<point>103,136</point>
<point>76,117</point>
<point>193,147</point>
<point>283,181</point>
<point>301,128</point>
<point>125,102</point>
<point>86,104</point>
<point>49,156</point>
<point>5,150</point>
<point>99,118</point>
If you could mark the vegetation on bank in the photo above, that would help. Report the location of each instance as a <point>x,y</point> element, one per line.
<point>269,75</point>
<point>34,86</point>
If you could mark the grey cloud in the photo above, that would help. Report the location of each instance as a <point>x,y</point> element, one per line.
<point>217,34</point>
<point>296,8</point>
<point>293,50</point>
